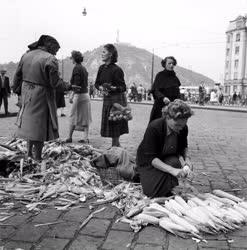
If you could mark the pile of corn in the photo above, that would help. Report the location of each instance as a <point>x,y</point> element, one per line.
<point>193,214</point>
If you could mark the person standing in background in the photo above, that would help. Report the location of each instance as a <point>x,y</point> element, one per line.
<point>80,115</point>
<point>4,90</point>
<point>165,88</point>
<point>140,93</point>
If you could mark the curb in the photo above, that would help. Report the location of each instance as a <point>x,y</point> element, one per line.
<point>193,106</point>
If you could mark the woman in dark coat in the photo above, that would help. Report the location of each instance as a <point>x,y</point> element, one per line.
<point>165,87</point>
<point>37,76</point>
<point>110,80</point>
<point>162,153</point>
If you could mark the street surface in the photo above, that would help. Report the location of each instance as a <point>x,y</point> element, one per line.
<point>218,148</point>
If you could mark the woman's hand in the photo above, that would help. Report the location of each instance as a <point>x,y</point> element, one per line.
<point>179,173</point>
<point>166,100</point>
<point>113,88</point>
<point>189,164</point>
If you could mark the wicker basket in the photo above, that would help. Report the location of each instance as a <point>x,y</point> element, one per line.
<point>108,172</point>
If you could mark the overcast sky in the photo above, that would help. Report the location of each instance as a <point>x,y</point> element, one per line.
<point>191,30</point>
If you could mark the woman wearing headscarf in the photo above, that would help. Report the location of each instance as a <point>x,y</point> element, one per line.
<point>163,151</point>
<point>80,115</point>
<point>165,87</point>
<point>36,79</point>
<point>110,80</point>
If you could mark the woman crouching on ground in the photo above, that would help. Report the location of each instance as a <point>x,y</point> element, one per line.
<point>163,151</point>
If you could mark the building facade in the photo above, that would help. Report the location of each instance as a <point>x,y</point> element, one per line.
<point>235,79</point>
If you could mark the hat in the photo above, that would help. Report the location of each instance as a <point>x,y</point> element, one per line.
<point>3,70</point>
<point>41,42</point>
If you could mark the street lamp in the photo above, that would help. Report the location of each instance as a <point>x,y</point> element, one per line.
<point>152,69</point>
<point>84,12</point>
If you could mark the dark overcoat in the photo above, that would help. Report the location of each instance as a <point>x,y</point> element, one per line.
<point>38,76</point>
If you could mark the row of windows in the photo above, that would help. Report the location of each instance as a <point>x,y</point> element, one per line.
<point>235,76</point>
<point>236,63</point>
<point>237,38</point>
<point>236,51</point>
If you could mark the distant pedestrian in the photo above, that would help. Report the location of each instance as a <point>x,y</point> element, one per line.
<point>221,97</point>
<point>133,92</point>
<point>234,97</point>
<point>110,80</point>
<point>91,90</point>
<point>140,92</point>
<point>4,90</point>
<point>80,115</point>
<point>202,94</point>
<point>165,87</point>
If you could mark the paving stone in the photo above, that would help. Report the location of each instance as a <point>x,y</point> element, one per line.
<point>84,242</point>
<point>107,213</point>
<point>13,245</point>
<point>47,215</point>
<point>63,230</point>
<point>242,232</point>
<point>217,244</point>
<point>147,247</point>
<point>153,235</point>
<point>18,219</point>
<point>52,244</point>
<point>238,242</point>
<point>77,214</point>
<point>96,227</point>
<point>118,240</point>
<point>5,231</point>
<point>176,243</point>
<point>121,226</point>
<point>28,232</point>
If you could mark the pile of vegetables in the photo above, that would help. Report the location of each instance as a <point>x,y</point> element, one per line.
<point>192,214</point>
<point>118,113</point>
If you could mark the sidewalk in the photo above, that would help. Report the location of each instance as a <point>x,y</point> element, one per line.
<point>195,106</point>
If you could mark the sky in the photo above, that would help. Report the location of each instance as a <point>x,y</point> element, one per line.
<point>191,30</point>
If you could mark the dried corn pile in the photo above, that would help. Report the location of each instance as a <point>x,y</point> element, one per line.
<point>191,214</point>
<point>65,174</point>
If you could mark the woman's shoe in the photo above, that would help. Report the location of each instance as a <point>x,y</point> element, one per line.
<point>68,140</point>
<point>85,141</point>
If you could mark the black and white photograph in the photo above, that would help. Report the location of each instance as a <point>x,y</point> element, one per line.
<point>123,125</point>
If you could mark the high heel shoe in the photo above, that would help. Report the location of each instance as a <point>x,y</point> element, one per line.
<point>68,140</point>
<point>84,141</point>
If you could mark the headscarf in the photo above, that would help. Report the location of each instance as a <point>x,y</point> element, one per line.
<point>42,41</point>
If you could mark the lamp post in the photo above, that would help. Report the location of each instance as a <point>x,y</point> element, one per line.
<point>152,68</point>
<point>84,12</point>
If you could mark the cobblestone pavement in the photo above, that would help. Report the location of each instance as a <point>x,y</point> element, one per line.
<point>218,146</point>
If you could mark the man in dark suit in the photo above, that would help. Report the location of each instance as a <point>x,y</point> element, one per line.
<point>4,90</point>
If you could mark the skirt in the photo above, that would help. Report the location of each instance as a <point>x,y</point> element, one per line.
<point>60,100</point>
<point>80,114</point>
<point>109,128</point>
<point>156,183</point>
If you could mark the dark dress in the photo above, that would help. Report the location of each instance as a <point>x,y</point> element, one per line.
<point>166,84</point>
<point>165,145</point>
<point>113,75</point>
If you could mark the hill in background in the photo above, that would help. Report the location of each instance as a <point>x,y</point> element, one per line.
<point>135,62</point>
